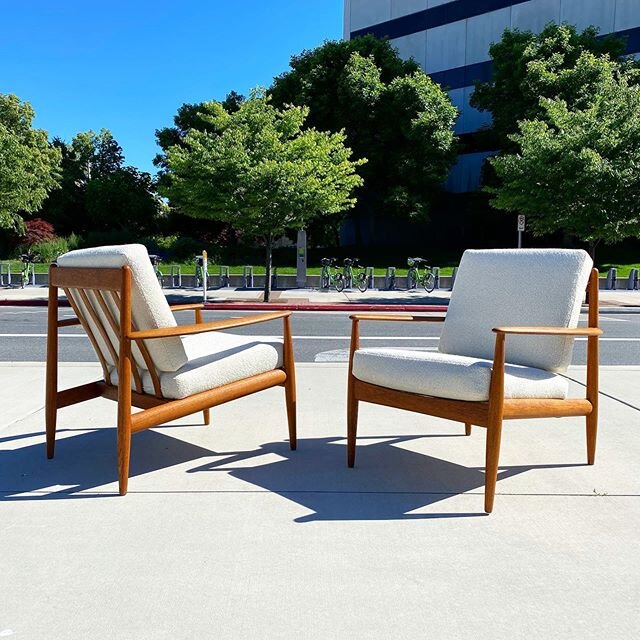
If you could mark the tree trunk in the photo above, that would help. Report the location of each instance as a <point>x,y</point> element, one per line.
<point>592,249</point>
<point>268,260</point>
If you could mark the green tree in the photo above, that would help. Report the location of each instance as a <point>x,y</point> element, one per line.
<point>260,171</point>
<point>527,67</point>
<point>28,163</point>
<point>391,112</point>
<point>97,191</point>
<point>578,170</point>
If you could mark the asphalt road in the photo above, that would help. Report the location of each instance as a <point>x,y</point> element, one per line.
<point>318,337</point>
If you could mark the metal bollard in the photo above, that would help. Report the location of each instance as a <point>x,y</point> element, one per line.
<point>370,277</point>
<point>390,279</point>
<point>5,270</point>
<point>274,278</point>
<point>612,277</point>
<point>247,274</point>
<point>633,279</point>
<point>453,276</point>
<point>436,274</point>
<point>223,276</point>
<point>175,273</point>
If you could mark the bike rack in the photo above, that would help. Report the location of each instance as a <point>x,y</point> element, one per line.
<point>390,279</point>
<point>5,269</point>
<point>370,277</point>
<point>633,279</point>
<point>247,274</point>
<point>436,273</point>
<point>223,276</point>
<point>612,277</point>
<point>453,276</point>
<point>175,273</point>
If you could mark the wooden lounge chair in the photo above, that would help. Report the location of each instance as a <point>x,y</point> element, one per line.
<point>148,361</point>
<point>533,296</point>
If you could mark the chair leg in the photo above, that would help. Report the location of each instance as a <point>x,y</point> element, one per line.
<point>352,430</point>
<point>467,429</point>
<point>124,452</point>
<point>290,398</point>
<point>592,433</point>
<point>51,414</point>
<point>494,434</point>
<point>206,415</point>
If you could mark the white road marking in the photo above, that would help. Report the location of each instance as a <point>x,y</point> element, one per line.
<point>266,337</point>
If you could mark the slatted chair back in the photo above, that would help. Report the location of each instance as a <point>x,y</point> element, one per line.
<point>95,283</point>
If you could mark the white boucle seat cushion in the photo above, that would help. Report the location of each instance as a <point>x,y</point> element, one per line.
<point>451,376</point>
<point>216,359</point>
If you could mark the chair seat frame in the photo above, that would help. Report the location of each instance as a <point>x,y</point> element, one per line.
<point>489,414</point>
<point>155,408</point>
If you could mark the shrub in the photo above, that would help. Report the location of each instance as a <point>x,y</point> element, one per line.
<point>49,250</point>
<point>37,230</point>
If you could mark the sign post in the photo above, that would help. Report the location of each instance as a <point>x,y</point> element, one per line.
<point>205,273</point>
<point>521,227</point>
<point>301,259</point>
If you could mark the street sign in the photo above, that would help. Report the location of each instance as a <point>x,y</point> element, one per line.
<point>521,223</point>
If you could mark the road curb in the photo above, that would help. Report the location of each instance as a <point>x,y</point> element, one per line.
<point>337,307</point>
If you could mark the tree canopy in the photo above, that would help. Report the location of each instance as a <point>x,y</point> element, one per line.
<point>28,163</point>
<point>391,113</point>
<point>97,191</point>
<point>528,67</point>
<point>578,169</point>
<point>260,170</point>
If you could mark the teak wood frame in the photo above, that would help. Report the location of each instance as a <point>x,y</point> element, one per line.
<point>489,414</point>
<point>156,410</point>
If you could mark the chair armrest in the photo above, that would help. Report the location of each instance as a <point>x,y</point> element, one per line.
<point>550,331</point>
<point>191,329</point>
<point>396,318</point>
<point>186,307</point>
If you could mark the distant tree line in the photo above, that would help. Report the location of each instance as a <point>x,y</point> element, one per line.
<point>351,129</point>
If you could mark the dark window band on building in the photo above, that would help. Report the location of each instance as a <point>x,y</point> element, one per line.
<point>460,77</point>
<point>434,17</point>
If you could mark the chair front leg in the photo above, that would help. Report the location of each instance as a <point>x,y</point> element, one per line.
<point>206,414</point>
<point>494,425</point>
<point>352,401</point>
<point>290,384</point>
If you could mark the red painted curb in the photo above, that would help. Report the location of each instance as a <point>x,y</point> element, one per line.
<point>264,306</point>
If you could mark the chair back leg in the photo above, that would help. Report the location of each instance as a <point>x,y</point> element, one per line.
<point>290,384</point>
<point>51,401</point>
<point>592,369</point>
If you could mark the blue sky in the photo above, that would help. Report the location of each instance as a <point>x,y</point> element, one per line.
<point>127,65</point>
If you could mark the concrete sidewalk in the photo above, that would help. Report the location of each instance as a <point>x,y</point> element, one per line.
<point>227,534</point>
<point>300,297</point>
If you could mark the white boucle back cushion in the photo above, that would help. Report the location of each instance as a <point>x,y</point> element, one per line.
<point>516,287</point>
<point>149,307</point>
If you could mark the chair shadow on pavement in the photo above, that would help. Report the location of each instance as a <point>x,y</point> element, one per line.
<point>389,481</point>
<point>84,460</point>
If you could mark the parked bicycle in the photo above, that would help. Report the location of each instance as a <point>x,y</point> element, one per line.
<point>155,261</point>
<point>28,270</point>
<point>329,276</point>
<point>420,273</point>
<point>355,274</point>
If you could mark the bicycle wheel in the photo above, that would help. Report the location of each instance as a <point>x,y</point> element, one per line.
<point>361,282</point>
<point>412,278</point>
<point>429,282</point>
<point>339,282</point>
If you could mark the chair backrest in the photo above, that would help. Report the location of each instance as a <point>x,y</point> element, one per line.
<point>516,287</point>
<point>149,308</point>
